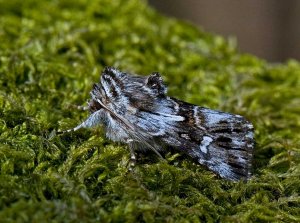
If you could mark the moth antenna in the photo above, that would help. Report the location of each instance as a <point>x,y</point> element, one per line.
<point>71,130</point>
<point>82,108</point>
<point>155,150</point>
<point>141,139</point>
<point>78,107</point>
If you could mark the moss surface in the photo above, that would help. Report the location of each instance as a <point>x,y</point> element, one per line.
<point>50,54</point>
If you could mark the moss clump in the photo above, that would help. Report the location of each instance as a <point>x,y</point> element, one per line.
<point>50,54</point>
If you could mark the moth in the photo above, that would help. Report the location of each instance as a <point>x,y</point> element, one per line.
<point>136,110</point>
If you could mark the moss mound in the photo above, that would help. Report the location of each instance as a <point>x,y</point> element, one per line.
<point>50,54</point>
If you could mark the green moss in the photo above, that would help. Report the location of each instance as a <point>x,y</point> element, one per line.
<point>50,54</point>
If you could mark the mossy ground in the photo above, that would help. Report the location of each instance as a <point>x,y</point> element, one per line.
<point>50,54</point>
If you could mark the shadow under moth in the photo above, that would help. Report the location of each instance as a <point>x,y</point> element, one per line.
<point>137,111</point>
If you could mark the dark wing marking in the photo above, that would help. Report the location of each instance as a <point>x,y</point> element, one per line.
<point>221,141</point>
<point>228,144</point>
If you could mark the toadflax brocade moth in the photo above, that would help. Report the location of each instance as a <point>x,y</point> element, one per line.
<point>136,110</point>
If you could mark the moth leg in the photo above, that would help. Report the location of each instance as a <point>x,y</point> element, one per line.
<point>132,160</point>
<point>93,120</point>
<point>79,107</point>
<point>82,108</point>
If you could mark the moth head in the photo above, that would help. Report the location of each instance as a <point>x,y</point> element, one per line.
<point>154,82</point>
<point>112,82</point>
<point>108,89</point>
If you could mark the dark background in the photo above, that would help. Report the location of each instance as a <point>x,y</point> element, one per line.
<point>269,29</point>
